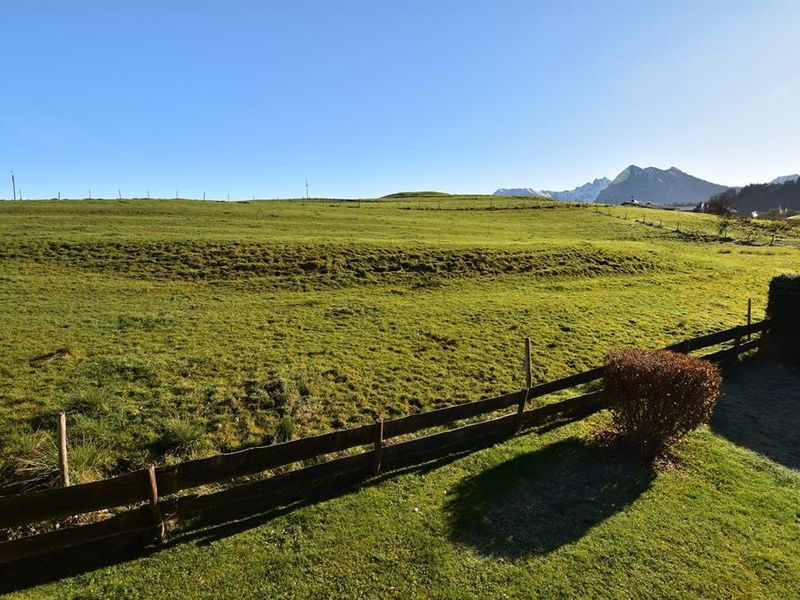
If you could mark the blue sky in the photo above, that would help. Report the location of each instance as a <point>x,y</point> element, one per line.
<point>368,98</point>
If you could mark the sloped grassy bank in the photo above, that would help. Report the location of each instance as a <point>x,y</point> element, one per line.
<point>295,266</point>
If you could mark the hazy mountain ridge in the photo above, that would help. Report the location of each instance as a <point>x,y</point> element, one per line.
<point>587,192</point>
<point>584,193</point>
<point>519,192</point>
<point>785,178</point>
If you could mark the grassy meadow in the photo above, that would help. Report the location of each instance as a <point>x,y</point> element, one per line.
<point>176,329</point>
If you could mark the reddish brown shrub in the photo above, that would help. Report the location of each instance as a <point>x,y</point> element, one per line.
<point>657,396</point>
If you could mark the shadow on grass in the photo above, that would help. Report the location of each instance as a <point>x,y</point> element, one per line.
<point>230,520</point>
<point>67,562</point>
<point>540,501</point>
<point>760,409</point>
<point>214,525</point>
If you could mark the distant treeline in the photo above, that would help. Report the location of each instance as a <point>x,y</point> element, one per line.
<point>761,197</point>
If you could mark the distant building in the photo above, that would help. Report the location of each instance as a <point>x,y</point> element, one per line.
<point>634,202</point>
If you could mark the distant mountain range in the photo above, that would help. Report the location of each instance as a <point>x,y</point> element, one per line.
<point>585,193</point>
<point>648,185</point>
<point>658,185</point>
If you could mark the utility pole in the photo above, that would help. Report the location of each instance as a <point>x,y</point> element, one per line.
<point>119,193</point>
<point>59,194</point>
<point>13,185</point>
<point>306,189</point>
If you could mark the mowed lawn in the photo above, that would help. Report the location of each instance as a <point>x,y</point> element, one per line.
<point>170,329</point>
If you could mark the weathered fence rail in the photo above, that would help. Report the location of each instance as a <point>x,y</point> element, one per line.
<point>194,473</point>
<point>148,489</point>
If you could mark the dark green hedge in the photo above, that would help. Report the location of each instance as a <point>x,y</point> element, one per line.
<point>783,310</point>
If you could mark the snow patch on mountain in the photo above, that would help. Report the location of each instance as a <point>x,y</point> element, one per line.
<point>785,178</point>
<point>587,192</point>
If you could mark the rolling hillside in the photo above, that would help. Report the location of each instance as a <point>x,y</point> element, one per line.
<point>176,329</point>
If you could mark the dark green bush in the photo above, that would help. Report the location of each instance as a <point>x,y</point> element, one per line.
<point>783,310</point>
<point>657,396</point>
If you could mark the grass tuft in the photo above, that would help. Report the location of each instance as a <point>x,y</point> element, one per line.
<point>179,437</point>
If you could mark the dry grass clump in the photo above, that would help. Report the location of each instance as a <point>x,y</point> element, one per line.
<point>31,460</point>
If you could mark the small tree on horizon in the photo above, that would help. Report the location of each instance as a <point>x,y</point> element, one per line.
<point>723,225</point>
<point>721,204</point>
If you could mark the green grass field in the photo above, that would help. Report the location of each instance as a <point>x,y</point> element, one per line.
<point>170,329</point>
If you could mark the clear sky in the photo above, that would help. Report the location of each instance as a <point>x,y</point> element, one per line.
<point>368,98</point>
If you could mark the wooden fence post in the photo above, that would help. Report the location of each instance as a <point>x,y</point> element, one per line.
<point>528,374</point>
<point>749,316</point>
<point>155,506</point>
<point>528,383</point>
<point>63,465</point>
<point>376,461</point>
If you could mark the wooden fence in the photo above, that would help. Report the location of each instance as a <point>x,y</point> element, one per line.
<point>145,489</point>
